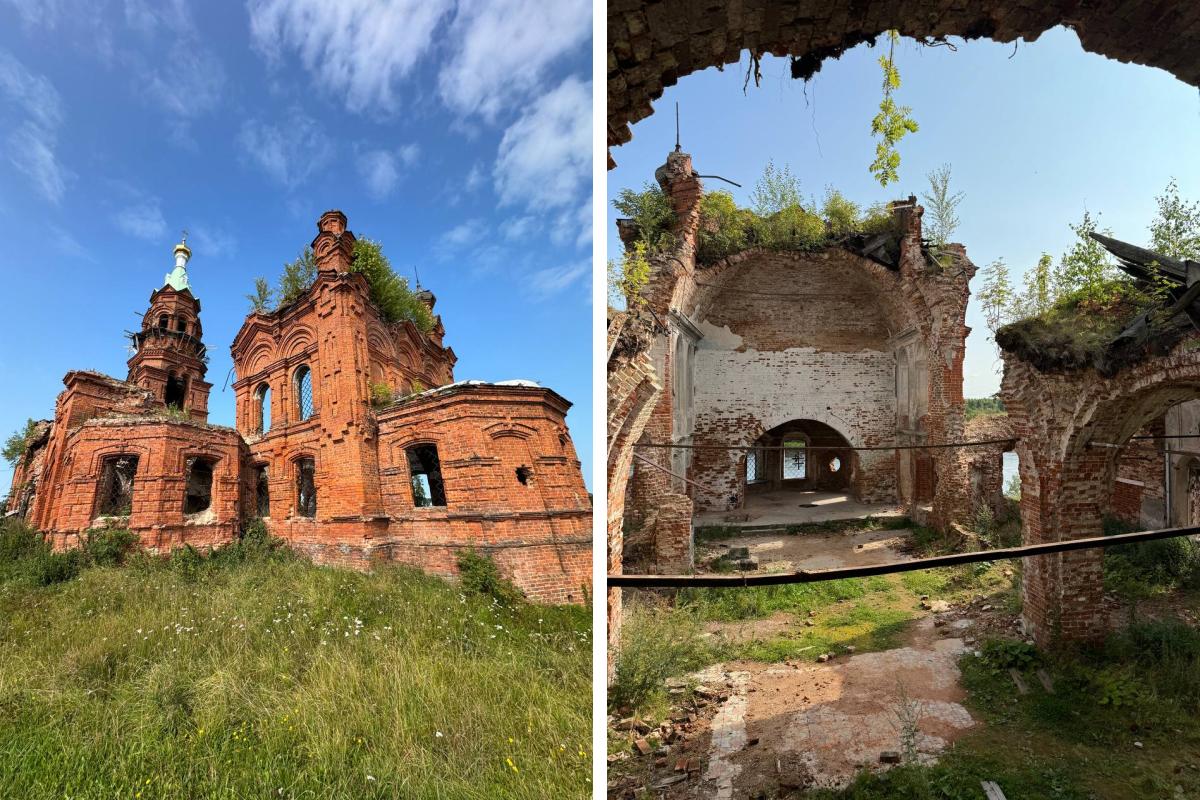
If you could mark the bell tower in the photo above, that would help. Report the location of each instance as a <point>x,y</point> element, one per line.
<point>169,355</point>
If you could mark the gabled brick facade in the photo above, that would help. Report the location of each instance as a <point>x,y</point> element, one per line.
<point>330,472</point>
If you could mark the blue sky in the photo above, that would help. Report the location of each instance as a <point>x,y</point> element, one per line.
<point>456,133</point>
<point>1033,139</point>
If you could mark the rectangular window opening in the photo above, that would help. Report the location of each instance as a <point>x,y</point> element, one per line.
<point>306,489</point>
<point>426,475</point>
<point>262,492</point>
<point>795,461</point>
<point>198,494</point>
<point>116,486</point>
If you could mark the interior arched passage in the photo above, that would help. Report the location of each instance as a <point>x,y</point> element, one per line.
<point>652,45</point>
<point>801,462</point>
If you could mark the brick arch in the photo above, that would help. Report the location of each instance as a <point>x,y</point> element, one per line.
<point>883,286</point>
<point>652,45</point>
<point>1067,476</point>
<point>260,357</point>
<point>298,340</point>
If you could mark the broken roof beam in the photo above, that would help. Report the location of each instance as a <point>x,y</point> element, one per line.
<point>1139,262</point>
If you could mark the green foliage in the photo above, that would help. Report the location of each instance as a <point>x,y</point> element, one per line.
<point>780,220</point>
<point>996,296</point>
<point>297,276</point>
<point>1087,267</point>
<point>792,228</point>
<point>1012,489</point>
<point>724,228</point>
<point>1175,230</point>
<point>261,299</point>
<point>941,207</point>
<point>627,279</point>
<point>651,214</point>
<point>15,445</point>
<point>892,123</point>
<point>381,395</point>
<point>775,191</point>
<point>389,292</point>
<point>325,681</point>
<point>655,645</point>
<point>1001,655</point>
<point>480,575</point>
<point>1141,570</point>
<point>984,407</point>
<point>109,547</point>
<point>842,216</point>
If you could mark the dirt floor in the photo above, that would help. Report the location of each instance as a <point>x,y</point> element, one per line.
<point>782,552</point>
<point>792,507</point>
<point>768,730</point>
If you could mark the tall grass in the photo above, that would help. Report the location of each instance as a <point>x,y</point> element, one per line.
<point>251,674</point>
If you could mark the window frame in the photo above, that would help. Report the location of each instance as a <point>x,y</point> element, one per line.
<point>299,375</point>
<point>301,507</point>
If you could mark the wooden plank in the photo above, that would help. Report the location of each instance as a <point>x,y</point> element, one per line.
<point>992,790</point>
<point>1016,676</point>
<point>815,576</point>
<point>1047,684</point>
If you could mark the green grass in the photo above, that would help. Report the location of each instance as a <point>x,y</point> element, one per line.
<point>259,676</point>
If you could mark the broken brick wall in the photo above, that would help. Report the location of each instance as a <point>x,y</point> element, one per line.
<point>163,448</point>
<point>633,388</point>
<point>1064,420</point>
<point>984,465</point>
<point>760,358</point>
<point>1139,490</point>
<point>512,483</point>
<point>651,45</point>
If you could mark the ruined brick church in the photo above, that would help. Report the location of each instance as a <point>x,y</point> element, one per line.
<point>457,465</point>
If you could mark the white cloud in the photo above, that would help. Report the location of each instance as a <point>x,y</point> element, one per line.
<point>356,49</point>
<point>211,242</point>
<point>32,142</point>
<point>461,235</point>
<point>290,151</point>
<point>521,228</point>
<point>553,280</point>
<point>143,219</point>
<point>187,84</point>
<point>501,49</point>
<point>545,157</point>
<point>67,244</point>
<point>381,168</point>
<point>475,178</point>
<point>573,226</point>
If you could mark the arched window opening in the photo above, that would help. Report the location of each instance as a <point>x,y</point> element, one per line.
<point>163,322</point>
<point>306,488</point>
<point>304,393</point>
<point>181,325</point>
<point>262,408</point>
<point>198,492</point>
<point>425,473</point>
<point>176,392</point>
<point>115,494</point>
<point>262,491</point>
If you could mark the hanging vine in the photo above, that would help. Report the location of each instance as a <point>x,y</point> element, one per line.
<point>893,122</point>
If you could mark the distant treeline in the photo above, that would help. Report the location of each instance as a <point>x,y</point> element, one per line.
<point>982,406</point>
